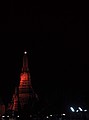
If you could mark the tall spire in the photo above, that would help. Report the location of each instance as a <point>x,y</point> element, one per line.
<point>24,97</point>
<point>25,63</point>
<point>25,86</point>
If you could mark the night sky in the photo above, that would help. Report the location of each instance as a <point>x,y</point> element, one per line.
<point>56,39</point>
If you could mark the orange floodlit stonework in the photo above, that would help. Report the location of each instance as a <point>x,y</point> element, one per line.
<point>24,95</point>
<point>25,87</point>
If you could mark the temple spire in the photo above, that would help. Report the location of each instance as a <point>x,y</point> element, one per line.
<point>25,63</point>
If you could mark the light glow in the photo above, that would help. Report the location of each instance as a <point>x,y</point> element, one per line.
<point>18,116</point>
<point>80,108</point>
<point>85,110</point>
<point>63,114</point>
<point>30,115</point>
<point>77,110</point>
<point>72,109</point>
<point>47,116</point>
<point>25,52</point>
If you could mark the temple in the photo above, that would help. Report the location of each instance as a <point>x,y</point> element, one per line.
<point>24,97</point>
<point>26,92</point>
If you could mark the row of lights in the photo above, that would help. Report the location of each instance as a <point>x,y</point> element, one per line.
<point>8,116</point>
<point>79,109</point>
<point>48,116</point>
<point>53,115</point>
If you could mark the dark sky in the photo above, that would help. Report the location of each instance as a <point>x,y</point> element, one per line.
<point>56,39</point>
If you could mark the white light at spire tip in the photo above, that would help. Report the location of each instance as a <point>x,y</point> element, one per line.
<point>25,52</point>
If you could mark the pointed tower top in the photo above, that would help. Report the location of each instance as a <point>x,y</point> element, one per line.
<point>25,62</point>
<point>25,52</point>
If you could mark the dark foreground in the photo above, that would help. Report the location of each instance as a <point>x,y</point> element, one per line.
<point>78,116</point>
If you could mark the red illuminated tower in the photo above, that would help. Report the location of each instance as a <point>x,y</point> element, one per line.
<point>15,101</point>
<point>26,92</point>
<point>13,105</point>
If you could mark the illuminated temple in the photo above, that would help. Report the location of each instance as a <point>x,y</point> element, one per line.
<point>24,97</point>
<point>26,92</point>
